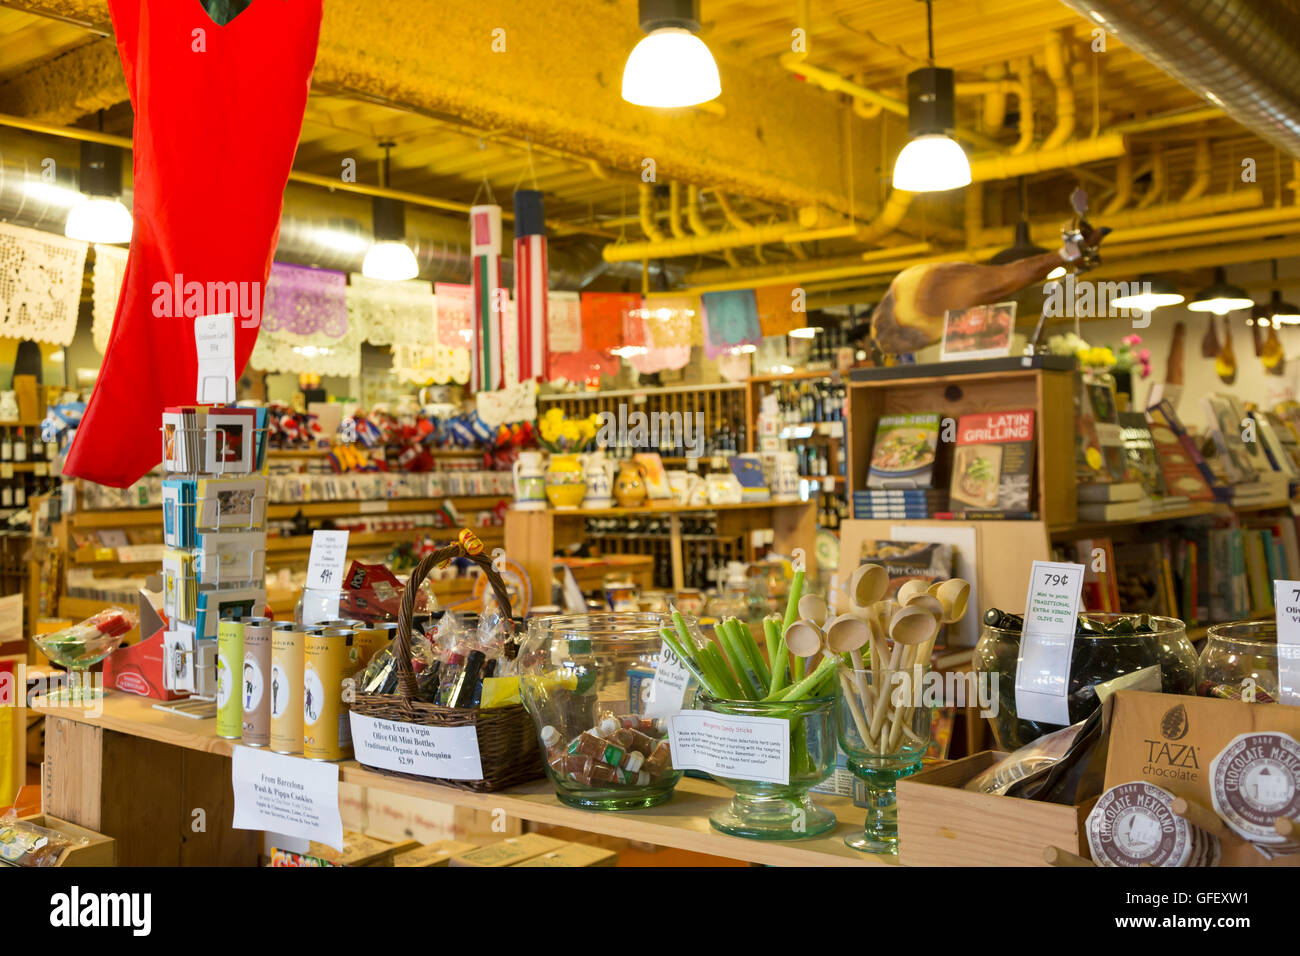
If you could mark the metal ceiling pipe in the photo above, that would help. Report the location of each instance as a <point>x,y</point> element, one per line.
<point>1240,55</point>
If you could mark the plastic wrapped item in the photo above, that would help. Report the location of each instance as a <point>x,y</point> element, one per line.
<point>1031,762</point>
<point>86,644</point>
<point>26,844</point>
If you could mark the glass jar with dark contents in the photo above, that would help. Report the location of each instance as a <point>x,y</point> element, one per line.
<point>1106,646</point>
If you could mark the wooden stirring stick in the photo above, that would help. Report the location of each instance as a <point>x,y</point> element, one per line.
<point>1198,815</point>
<point>1055,856</point>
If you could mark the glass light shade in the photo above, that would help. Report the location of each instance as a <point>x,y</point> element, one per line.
<point>807,332</point>
<point>670,67</point>
<point>99,219</point>
<point>1220,298</point>
<point>931,163</point>
<point>1282,313</point>
<point>390,260</point>
<point>1150,293</point>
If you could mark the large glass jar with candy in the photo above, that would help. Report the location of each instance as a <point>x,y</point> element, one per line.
<point>1240,662</point>
<point>589,682</point>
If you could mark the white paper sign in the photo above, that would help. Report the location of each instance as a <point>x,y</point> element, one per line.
<point>450,752</point>
<point>1043,669</point>
<point>1286,599</point>
<point>329,554</point>
<point>287,795</point>
<point>741,748</point>
<point>214,344</point>
<point>668,688</point>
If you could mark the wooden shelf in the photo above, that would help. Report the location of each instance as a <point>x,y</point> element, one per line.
<point>302,542</point>
<point>680,823</point>
<point>805,375</point>
<point>634,392</point>
<point>1205,510</point>
<point>670,509</point>
<point>126,517</point>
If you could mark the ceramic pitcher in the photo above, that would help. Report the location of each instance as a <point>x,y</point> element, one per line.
<point>629,488</point>
<point>599,474</point>
<point>530,481</point>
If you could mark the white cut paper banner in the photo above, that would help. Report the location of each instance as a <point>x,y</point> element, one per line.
<point>1047,641</point>
<point>447,752</point>
<point>739,748</point>
<point>286,794</point>
<point>1286,601</point>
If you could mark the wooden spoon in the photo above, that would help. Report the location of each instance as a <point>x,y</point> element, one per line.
<point>954,595</point>
<point>927,602</point>
<point>909,588</point>
<point>1210,344</point>
<point>868,584</point>
<point>846,633</point>
<point>803,638</point>
<point>812,607</point>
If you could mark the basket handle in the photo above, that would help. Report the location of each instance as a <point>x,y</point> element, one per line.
<point>467,545</point>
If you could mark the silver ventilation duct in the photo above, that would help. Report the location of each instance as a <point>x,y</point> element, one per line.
<point>331,230</point>
<point>1240,55</point>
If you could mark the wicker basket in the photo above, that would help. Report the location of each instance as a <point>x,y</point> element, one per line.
<point>507,739</point>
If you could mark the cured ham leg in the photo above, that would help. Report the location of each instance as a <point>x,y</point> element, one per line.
<point>911,314</point>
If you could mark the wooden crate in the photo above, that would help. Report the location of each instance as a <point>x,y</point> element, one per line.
<point>98,850</point>
<point>940,824</point>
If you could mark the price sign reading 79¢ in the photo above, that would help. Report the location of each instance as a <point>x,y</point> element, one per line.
<point>1047,643</point>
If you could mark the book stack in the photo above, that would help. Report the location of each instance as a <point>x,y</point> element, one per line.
<point>899,502</point>
<point>214,532</point>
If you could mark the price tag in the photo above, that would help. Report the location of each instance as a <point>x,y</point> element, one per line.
<point>372,507</point>
<point>668,689</point>
<point>214,345</point>
<point>1286,599</point>
<point>287,795</point>
<point>325,569</point>
<point>741,748</point>
<point>450,753</point>
<point>1043,668</point>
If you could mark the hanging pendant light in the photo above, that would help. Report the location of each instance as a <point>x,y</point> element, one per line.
<point>671,66</point>
<point>1281,312</point>
<point>390,257</point>
<point>1221,297</point>
<point>1022,247</point>
<point>932,161</point>
<point>100,216</point>
<point>1152,292</point>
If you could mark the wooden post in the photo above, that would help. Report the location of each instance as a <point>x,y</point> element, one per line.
<point>530,540</point>
<point>675,545</point>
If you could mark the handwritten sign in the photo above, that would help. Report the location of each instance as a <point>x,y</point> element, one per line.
<point>288,795</point>
<point>739,748</point>
<point>1047,642</point>
<point>668,689</point>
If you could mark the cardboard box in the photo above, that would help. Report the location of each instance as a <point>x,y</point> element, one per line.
<point>1171,741</point>
<point>508,852</point>
<point>435,854</point>
<point>358,850</point>
<point>940,824</point>
<point>98,850</point>
<point>575,854</point>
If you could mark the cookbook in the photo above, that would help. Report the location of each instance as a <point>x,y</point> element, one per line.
<point>904,452</point>
<point>993,465</point>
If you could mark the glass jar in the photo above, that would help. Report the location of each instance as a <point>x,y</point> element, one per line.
<point>1174,650</point>
<point>902,734</point>
<point>1240,662</point>
<point>1096,659</point>
<point>586,680</point>
<point>763,810</point>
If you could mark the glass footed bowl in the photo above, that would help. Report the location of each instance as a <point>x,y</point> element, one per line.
<point>775,811</point>
<point>1240,662</point>
<point>77,653</point>
<point>586,680</point>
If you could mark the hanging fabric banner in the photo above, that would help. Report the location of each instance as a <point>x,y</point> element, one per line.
<point>106,285</point>
<point>455,336</point>
<point>387,313</point>
<point>306,301</point>
<point>603,318</point>
<point>780,309</point>
<point>40,284</point>
<point>530,287</point>
<point>667,332</point>
<point>730,321</point>
<point>485,247</point>
<point>198,109</point>
<point>564,322</point>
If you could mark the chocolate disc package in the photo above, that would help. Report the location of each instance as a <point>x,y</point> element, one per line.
<point>1253,781</point>
<point>1134,823</point>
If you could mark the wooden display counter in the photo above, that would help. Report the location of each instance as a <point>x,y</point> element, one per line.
<point>139,775</point>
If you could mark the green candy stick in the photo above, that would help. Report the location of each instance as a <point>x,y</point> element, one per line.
<point>696,672</point>
<point>819,673</point>
<point>756,671</point>
<point>773,638</point>
<point>735,660</point>
<point>718,667</point>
